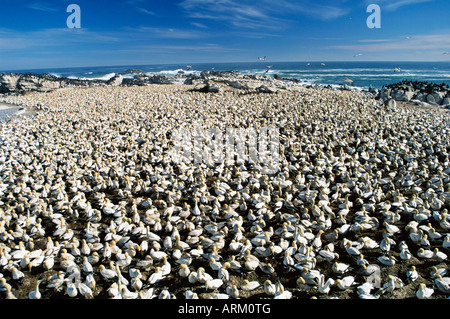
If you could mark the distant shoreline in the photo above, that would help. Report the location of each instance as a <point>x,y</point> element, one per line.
<point>364,74</point>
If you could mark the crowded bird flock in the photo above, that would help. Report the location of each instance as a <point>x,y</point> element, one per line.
<point>93,205</point>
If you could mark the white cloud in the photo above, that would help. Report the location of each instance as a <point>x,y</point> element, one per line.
<point>143,10</point>
<point>167,33</point>
<point>178,48</point>
<point>262,14</point>
<point>41,7</point>
<point>430,42</point>
<point>199,25</point>
<point>391,5</point>
<point>11,40</point>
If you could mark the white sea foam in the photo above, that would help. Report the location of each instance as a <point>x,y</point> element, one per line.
<point>105,77</point>
<point>173,72</point>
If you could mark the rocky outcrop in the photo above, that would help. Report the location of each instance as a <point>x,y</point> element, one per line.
<point>419,93</point>
<point>8,82</point>
<point>134,71</point>
<point>206,88</point>
<point>30,82</point>
<point>116,80</point>
<point>146,79</point>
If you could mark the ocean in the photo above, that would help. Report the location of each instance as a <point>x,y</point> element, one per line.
<point>363,74</point>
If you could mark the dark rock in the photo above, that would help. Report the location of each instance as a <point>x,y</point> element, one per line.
<point>161,79</point>
<point>223,74</point>
<point>134,71</point>
<point>346,87</point>
<point>385,93</point>
<point>206,88</point>
<point>407,91</point>
<point>431,99</point>
<point>373,90</point>
<point>266,89</point>
<point>390,103</point>
<point>9,82</point>
<point>116,80</point>
<point>277,77</point>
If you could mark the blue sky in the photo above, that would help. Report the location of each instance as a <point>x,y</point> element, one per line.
<point>34,34</point>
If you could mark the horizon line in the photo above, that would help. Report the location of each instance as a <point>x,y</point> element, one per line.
<point>235,62</point>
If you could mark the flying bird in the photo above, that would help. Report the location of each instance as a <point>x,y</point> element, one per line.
<point>347,79</point>
<point>356,55</point>
<point>188,67</point>
<point>262,59</point>
<point>446,53</point>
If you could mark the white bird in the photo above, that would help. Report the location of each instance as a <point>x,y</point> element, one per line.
<point>113,290</point>
<point>35,294</point>
<point>189,294</point>
<point>446,242</point>
<point>340,268</point>
<point>282,293</point>
<point>147,294</point>
<point>405,254</point>
<point>412,274</point>
<point>351,250</point>
<point>202,275</point>
<point>156,276</point>
<point>392,284</point>
<point>443,284</point>
<point>311,276</point>
<point>213,284</point>
<point>439,255</point>
<point>17,274</point>
<point>249,285</point>
<point>71,289</point>
<point>364,289</point>
<point>423,292</point>
<point>164,294</point>
<point>127,294</point>
<point>387,260</point>
<point>87,267</point>
<point>269,288</point>
<point>391,229</point>
<point>324,287</point>
<point>107,273</point>
<point>345,283</point>
<point>193,277</point>
<point>232,291</point>
<point>424,253</point>
<point>184,271</point>
<point>85,290</point>
<point>438,271</point>
<point>348,80</point>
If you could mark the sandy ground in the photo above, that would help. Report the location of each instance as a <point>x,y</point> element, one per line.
<point>7,111</point>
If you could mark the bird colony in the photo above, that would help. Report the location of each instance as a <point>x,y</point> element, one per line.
<point>93,206</point>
